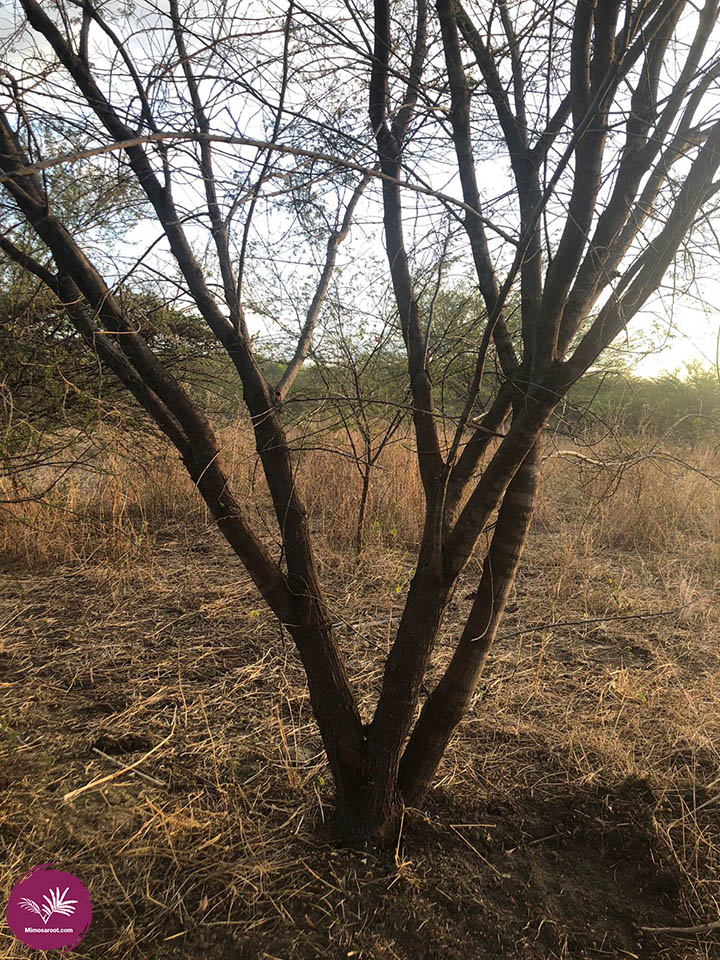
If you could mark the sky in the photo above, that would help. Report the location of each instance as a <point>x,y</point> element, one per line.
<point>695,331</point>
<point>680,332</point>
<point>694,340</point>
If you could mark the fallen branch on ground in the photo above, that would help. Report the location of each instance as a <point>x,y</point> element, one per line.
<point>580,623</point>
<point>702,928</point>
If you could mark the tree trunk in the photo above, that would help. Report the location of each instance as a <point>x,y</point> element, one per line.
<point>449,701</point>
<point>392,778</point>
<point>360,820</point>
<point>360,527</point>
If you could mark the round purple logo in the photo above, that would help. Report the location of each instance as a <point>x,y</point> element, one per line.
<point>49,909</point>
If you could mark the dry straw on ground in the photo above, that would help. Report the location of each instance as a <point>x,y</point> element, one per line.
<point>157,740</point>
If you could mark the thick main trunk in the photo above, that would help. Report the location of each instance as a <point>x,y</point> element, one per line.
<point>404,671</point>
<point>359,820</point>
<point>449,701</point>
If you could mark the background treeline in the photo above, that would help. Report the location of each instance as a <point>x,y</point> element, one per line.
<point>49,381</point>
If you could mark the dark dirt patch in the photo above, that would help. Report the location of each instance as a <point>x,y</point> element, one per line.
<point>115,746</point>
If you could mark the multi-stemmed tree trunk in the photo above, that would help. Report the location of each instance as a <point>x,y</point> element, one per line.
<point>601,110</point>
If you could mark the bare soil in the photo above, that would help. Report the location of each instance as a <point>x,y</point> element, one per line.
<point>579,803</point>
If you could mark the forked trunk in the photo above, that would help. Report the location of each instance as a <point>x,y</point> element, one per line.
<point>360,526</point>
<point>449,701</point>
<point>395,771</point>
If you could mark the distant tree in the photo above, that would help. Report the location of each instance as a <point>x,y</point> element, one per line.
<point>585,140</point>
<point>359,378</point>
<point>53,391</point>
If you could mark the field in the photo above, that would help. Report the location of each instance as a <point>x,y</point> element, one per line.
<point>156,738</point>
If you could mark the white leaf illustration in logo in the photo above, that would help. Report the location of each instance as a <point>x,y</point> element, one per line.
<point>55,902</point>
<point>30,905</point>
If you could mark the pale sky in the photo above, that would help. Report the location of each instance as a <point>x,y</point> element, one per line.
<point>695,330</point>
<point>690,336</point>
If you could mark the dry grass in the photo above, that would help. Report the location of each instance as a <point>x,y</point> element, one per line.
<point>580,799</point>
<point>112,509</point>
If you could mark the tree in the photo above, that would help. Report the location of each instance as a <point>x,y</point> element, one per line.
<point>599,124</point>
<point>53,388</point>
<point>361,376</point>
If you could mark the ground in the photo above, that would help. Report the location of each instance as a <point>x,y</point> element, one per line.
<point>579,803</point>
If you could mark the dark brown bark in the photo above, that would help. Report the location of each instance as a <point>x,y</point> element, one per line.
<point>524,162</point>
<point>460,120</point>
<point>447,704</point>
<point>389,147</point>
<point>362,508</point>
<point>473,451</point>
<point>646,131</point>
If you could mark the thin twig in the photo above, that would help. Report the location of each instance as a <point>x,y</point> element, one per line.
<point>183,136</point>
<point>680,931</point>
<point>121,765</point>
<point>579,623</point>
<point>131,766</point>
